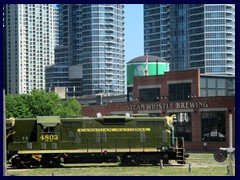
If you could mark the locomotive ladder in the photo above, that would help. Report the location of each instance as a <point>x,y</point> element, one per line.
<point>180,151</point>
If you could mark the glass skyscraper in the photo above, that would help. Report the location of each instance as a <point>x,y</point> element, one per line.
<point>91,55</point>
<point>192,36</point>
<point>30,36</point>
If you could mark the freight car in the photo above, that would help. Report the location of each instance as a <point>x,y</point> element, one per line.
<point>49,141</point>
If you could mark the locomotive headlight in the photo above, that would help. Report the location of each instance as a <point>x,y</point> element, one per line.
<point>10,122</point>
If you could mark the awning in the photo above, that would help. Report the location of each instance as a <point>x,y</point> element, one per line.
<point>48,121</point>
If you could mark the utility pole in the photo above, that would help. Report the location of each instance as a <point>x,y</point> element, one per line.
<point>4,137</point>
<point>230,146</point>
<point>230,150</point>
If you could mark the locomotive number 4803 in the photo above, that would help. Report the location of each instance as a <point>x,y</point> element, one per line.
<point>49,137</point>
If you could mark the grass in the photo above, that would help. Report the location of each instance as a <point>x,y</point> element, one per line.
<point>202,165</point>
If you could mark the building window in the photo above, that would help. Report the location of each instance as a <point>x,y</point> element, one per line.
<point>231,87</point>
<point>217,86</point>
<point>213,126</point>
<point>179,91</point>
<point>183,125</point>
<point>149,95</point>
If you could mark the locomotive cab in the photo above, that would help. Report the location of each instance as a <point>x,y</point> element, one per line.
<point>48,131</point>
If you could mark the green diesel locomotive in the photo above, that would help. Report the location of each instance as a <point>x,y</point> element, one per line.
<point>49,141</point>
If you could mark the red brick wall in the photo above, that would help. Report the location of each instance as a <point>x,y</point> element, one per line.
<point>193,75</point>
<point>226,103</point>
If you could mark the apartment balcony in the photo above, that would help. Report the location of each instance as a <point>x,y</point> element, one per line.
<point>231,23</point>
<point>231,44</point>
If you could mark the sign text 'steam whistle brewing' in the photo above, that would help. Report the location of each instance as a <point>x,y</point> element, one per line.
<point>172,105</point>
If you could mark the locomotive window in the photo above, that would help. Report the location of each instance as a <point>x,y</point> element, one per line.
<point>114,121</point>
<point>48,129</point>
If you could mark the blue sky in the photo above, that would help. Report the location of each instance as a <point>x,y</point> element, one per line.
<point>133,31</point>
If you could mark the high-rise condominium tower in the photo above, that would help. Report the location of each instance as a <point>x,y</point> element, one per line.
<point>91,56</point>
<point>192,36</point>
<point>30,36</point>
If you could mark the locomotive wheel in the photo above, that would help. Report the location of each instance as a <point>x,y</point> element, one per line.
<point>18,163</point>
<point>15,161</point>
<point>134,162</point>
<point>165,159</point>
<point>21,161</point>
<point>130,160</point>
<point>51,161</point>
<point>154,162</point>
<point>137,162</point>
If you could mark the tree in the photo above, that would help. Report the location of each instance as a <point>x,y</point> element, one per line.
<point>40,103</point>
<point>72,107</point>
<point>17,106</point>
<point>44,104</point>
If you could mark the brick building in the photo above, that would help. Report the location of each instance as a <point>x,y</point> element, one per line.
<point>202,105</point>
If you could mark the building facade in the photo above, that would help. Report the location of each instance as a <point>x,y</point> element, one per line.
<point>192,36</point>
<point>202,117</point>
<point>92,52</point>
<point>30,36</point>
